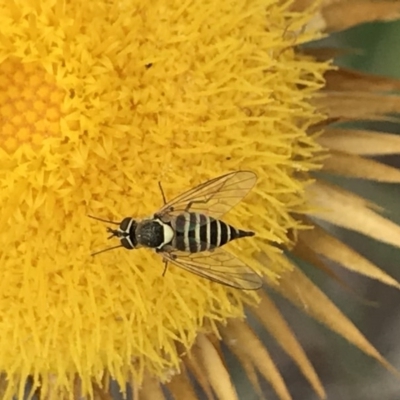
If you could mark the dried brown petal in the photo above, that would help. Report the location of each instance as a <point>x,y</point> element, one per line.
<point>358,105</point>
<point>340,15</point>
<point>238,334</point>
<point>151,390</point>
<point>275,324</point>
<point>303,293</point>
<point>344,79</point>
<point>181,388</point>
<point>360,141</point>
<point>333,249</point>
<point>214,369</point>
<point>350,165</point>
<point>350,211</point>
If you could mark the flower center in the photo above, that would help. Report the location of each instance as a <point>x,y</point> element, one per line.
<point>30,105</point>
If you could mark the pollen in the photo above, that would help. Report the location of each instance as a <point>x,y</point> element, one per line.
<point>28,96</point>
<point>100,101</point>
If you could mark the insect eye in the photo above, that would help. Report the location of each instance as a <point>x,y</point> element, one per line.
<point>124,225</point>
<point>127,243</point>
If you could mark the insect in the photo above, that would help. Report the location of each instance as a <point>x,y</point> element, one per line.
<point>188,232</point>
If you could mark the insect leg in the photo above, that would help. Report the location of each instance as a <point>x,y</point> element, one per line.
<point>165,249</point>
<point>165,267</point>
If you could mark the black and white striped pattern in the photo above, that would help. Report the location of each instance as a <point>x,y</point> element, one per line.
<point>196,232</point>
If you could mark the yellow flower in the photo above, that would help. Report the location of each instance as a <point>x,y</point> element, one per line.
<point>101,100</point>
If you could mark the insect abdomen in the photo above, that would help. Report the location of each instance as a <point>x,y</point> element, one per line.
<point>196,232</point>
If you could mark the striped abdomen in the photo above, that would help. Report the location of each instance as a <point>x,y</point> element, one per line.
<point>197,232</point>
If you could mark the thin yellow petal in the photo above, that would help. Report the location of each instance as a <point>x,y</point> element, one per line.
<point>273,321</point>
<point>349,211</point>
<point>238,333</point>
<point>350,165</point>
<point>332,248</point>
<point>360,142</point>
<point>303,293</point>
<point>214,369</point>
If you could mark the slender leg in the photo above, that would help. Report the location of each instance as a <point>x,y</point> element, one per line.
<point>159,251</point>
<point>162,193</point>
<point>165,267</point>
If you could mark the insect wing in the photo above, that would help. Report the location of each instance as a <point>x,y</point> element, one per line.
<point>218,266</point>
<point>215,197</point>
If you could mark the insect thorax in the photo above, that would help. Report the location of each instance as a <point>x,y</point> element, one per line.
<point>153,233</point>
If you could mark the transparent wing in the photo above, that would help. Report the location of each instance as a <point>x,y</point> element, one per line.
<point>215,197</point>
<point>217,266</point>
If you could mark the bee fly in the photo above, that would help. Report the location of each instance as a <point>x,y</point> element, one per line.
<point>187,231</point>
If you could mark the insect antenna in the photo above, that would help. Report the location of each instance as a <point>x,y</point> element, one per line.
<point>162,193</point>
<point>104,250</point>
<point>103,220</point>
<point>114,232</point>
